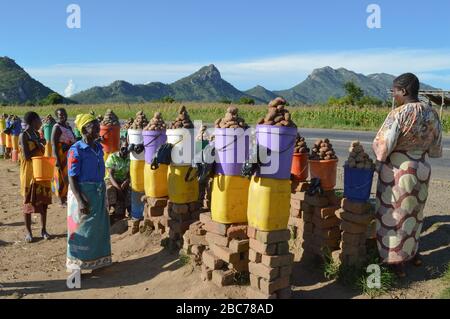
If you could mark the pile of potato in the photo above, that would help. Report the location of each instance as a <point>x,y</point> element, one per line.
<point>358,158</point>
<point>49,119</point>
<point>323,150</point>
<point>156,123</point>
<point>140,121</point>
<point>128,124</point>
<point>300,145</point>
<point>183,120</point>
<point>231,120</point>
<point>110,119</point>
<point>277,114</point>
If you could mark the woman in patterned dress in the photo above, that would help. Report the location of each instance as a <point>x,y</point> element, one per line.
<point>410,134</point>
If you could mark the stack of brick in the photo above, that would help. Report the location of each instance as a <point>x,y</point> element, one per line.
<point>321,226</point>
<point>180,217</point>
<point>356,218</point>
<point>194,240</point>
<point>296,222</point>
<point>205,193</point>
<point>270,264</point>
<point>156,214</point>
<point>227,253</point>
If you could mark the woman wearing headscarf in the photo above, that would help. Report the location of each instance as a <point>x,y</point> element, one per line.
<point>37,194</point>
<point>89,245</point>
<point>410,134</point>
<point>62,139</point>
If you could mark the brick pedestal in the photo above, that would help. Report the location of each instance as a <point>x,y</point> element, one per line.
<point>180,217</point>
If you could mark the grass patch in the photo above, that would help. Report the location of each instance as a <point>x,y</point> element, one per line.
<point>184,260</point>
<point>446,278</point>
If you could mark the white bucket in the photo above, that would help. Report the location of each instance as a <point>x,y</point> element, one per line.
<point>183,146</point>
<point>135,137</point>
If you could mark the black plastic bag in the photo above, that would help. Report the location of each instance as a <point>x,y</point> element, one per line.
<point>162,156</point>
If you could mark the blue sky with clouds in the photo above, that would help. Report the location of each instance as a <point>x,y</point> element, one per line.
<point>272,43</point>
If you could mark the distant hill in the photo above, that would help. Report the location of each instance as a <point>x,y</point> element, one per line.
<point>261,93</point>
<point>17,86</point>
<point>205,85</point>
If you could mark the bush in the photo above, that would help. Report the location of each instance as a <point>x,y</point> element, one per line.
<point>52,99</point>
<point>246,100</point>
<point>168,99</point>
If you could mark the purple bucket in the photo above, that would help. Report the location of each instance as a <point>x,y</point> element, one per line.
<point>152,141</point>
<point>276,145</point>
<point>232,149</point>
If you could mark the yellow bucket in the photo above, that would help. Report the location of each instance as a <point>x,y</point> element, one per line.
<point>229,199</point>
<point>156,181</point>
<point>15,142</point>
<point>2,124</point>
<point>105,156</point>
<point>269,203</point>
<point>137,176</point>
<point>2,139</point>
<point>43,168</point>
<point>180,191</point>
<point>9,142</point>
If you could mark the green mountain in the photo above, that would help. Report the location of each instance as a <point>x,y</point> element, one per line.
<point>17,86</point>
<point>261,93</point>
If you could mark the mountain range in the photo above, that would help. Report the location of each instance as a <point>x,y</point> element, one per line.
<point>205,85</point>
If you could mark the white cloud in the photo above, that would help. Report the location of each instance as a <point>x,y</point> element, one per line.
<point>278,72</point>
<point>70,89</point>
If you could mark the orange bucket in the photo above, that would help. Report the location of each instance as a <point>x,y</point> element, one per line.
<point>326,171</point>
<point>43,168</point>
<point>9,142</point>
<point>15,142</point>
<point>14,156</point>
<point>300,167</point>
<point>110,138</point>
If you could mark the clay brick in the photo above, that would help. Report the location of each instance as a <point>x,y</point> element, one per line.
<point>200,232</point>
<point>180,208</point>
<point>326,212</point>
<point>295,204</point>
<point>223,278</point>
<point>361,219</point>
<point>295,213</point>
<point>254,281</point>
<point>354,239</point>
<point>354,207</point>
<point>300,196</point>
<point>205,217</point>
<point>272,237</point>
<point>179,227</point>
<point>330,233</point>
<point>155,211</point>
<point>307,217</point>
<point>239,246</point>
<point>352,259</point>
<point>265,249</point>
<point>295,221</point>
<point>157,202</point>
<point>299,187</point>
<point>307,227</point>
<point>241,266</point>
<point>194,226</point>
<point>225,254</point>
<point>270,287</point>
<point>317,201</point>
<point>212,238</point>
<point>263,271</point>
<point>285,293</point>
<point>286,271</point>
<point>206,274</point>
<point>237,232</point>
<point>194,206</point>
<point>197,240</point>
<point>253,293</point>
<point>251,232</point>
<point>254,256</point>
<point>353,228</point>
<point>307,208</point>
<point>333,199</point>
<point>322,242</point>
<point>283,248</point>
<point>277,261</point>
<point>216,228</point>
<point>197,249</point>
<point>211,261</point>
<point>325,223</point>
<point>179,217</point>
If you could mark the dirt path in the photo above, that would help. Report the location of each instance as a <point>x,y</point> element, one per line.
<point>144,269</point>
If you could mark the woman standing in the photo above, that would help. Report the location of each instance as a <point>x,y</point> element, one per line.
<point>89,245</point>
<point>37,195</point>
<point>410,134</point>
<point>62,139</point>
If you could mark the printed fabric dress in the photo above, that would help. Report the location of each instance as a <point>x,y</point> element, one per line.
<point>409,135</point>
<point>88,242</point>
<point>61,178</point>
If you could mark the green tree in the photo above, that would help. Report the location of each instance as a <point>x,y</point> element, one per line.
<point>246,100</point>
<point>354,92</point>
<point>52,99</point>
<point>168,99</point>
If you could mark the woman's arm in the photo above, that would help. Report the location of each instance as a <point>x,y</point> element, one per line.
<point>56,134</point>
<point>112,179</point>
<point>23,140</point>
<point>83,202</point>
<point>387,137</point>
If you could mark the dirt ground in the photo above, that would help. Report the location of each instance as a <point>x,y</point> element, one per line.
<point>144,269</point>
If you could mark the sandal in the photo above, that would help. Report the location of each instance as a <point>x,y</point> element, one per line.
<point>28,238</point>
<point>45,235</point>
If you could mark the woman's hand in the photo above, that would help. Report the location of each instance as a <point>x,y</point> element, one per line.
<point>125,185</point>
<point>83,205</point>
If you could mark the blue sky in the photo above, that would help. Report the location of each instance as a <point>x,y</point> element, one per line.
<point>272,43</point>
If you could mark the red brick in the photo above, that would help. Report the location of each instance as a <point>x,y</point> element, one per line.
<point>307,227</point>
<point>211,261</point>
<point>353,228</point>
<point>299,187</point>
<point>272,237</point>
<point>205,217</point>
<point>285,293</point>
<point>237,232</point>
<point>270,287</point>
<point>317,201</point>
<point>216,228</point>
<point>206,274</point>
<point>283,248</point>
<point>361,219</point>
<point>251,232</point>
<point>325,223</point>
<point>307,217</point>
<point>239,246</point>
<point>194,206</point>
<point>180,208</point>
<point>326,212</point>
<point>157,202</point>
<point>333,199</point>
<point>329,233</point>
<point>277,261</point>
<point>300,196</point>
<point>179,227</point>
<point>286,271</point>
<point>296,222</point>
<point>265,249</point>
<point>263,271</point>
<point>254,256</point>
<point>225,254</point>
<point>241,266</point>
<point>307,208</point>
<point>212,238</point>
<point>295,203</point>
<point>295,212</point>
<point>354,239</point>
<point>254,281</point>
<point>354,207</point>
<point>223,278</point>
<point>347,249</point>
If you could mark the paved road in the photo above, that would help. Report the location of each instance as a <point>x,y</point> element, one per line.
<point>341,142</point>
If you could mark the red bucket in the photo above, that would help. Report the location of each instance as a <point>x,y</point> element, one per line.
<point>110,138</point>
<point>300,167</point>
<point>326,171</point>
<point>14,156</point>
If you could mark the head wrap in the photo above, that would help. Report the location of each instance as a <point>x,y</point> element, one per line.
<point>83,119</point>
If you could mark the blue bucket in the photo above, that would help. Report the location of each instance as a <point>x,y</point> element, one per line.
<point>137,206</point>
<point>357,184</point>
